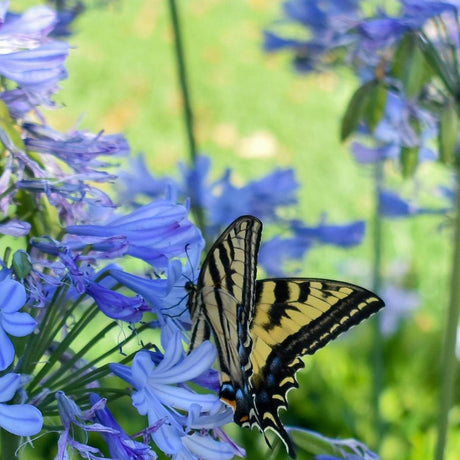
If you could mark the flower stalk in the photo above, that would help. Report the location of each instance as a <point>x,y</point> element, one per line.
<point>449,362</point>
<point>188,112</point>
<point>377,350</point>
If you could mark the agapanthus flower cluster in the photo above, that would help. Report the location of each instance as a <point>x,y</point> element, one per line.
<point>87,286</point>
<point>400,115</point>
<point>268,198</point>
<point>68,272</point>
<point>395,57</point>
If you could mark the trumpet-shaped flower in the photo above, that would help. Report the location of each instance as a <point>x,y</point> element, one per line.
<point>155,232</point>
<point>19,419</point>
<point>120,444</point>
<point>12,321</point>
<point>158,397</point>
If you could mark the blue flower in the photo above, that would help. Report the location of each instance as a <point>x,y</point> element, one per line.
<point>30,59</point>
<point>345,235</point>
<point>12,321</point>
<point>404,125</point>
<point>15,227</point>
<point>77,149</point>
<point>384,31</point>
<point>275,253</point>
<point>72,416</point>
<point>156,232</point>
<point>392,205</point>
<point>120,445</point>
<point>329,27</point>
<point>261,198</point>
<point>166,295</point>
<point>19,419</point>
<point>116,305</point>
<point>158,397</point>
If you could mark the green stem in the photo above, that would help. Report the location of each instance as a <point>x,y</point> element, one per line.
<point>184,87</point>
<point>182,74</point>
<point>449,362</point>
<point>9,444</point>
<point>377,349</point>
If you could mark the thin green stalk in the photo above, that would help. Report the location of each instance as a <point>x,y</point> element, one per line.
<point>9,444</point>
<point>449,362</point>
<point>182,74</point>
<point>184,87</point>
<point>377,349</point>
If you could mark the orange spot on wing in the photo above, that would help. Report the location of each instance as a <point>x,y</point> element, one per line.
<point>230,402</point>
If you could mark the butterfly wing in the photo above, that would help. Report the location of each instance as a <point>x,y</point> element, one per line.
<point>295,317</point>
<point>223,300</point>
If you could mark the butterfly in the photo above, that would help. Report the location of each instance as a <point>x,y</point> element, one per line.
<point>262,328</point>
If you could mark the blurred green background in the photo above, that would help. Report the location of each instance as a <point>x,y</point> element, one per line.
<point>253,113</point>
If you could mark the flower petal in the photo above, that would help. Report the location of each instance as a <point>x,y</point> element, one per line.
<point>9,383</point>
<point>18,324</point>
<point>21,419</point>
<point>12,295</point>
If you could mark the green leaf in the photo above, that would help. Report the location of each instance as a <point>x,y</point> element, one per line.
<point>21,264</point>
<point>410,65</point>
<point>356,108</point>
<point>409,160</point>
<point>375,106</point>
<point>448,133</point>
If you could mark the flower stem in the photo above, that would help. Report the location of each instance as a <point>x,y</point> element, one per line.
<point>182,74</point>
<point>9,444</point>
<point>188,112</point>
<point>377,350</point>
<point>449,363</point>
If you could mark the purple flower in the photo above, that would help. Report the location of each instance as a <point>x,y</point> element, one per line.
<point>121,446</point>
<point>19,419</point>
<point>329,27</point>
<point>15,227</point>
<point>276,252</point>
<point>345,235</point>
<point>73,417</point>
<point>155,232</point>
<point>158,397</point>
<point>261,198</point>
<point>12,321</point>
<point>166,295</point>
<point>36,69</point>
<point>116,305</point>
<point>77,149</point>
<point>404,125</point>
<point>393,206</point>
<point>29,58</point>
<point>385,31</point>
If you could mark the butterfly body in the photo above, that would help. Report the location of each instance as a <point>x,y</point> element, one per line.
<point>263,327</point>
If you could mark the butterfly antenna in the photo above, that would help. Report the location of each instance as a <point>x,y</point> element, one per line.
<point>192,268</point>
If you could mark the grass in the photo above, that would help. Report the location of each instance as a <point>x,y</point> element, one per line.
<point>253,113</point>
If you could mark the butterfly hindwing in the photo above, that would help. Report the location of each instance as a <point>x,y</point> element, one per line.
<point>294,317</point>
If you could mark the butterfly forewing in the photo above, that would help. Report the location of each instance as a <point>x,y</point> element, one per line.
<point>224,295</point>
